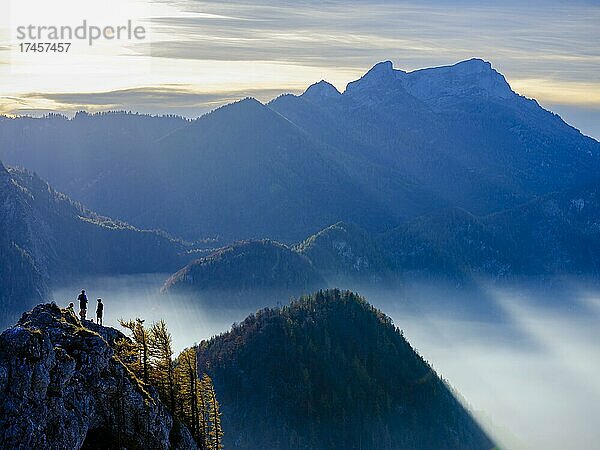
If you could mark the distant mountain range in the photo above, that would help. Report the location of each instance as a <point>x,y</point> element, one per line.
<point>46,238</point>
<point>553,235</point>
<point>391,147</point>
<point>443,171</point>
<point>330,371</point>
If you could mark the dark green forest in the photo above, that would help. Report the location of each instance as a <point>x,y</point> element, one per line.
<point>331,371</point>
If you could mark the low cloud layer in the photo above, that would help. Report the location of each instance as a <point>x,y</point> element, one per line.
<point>522,357</point>
<point>181,100</point>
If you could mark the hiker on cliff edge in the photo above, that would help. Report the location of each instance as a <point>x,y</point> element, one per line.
<point>83,301</point>
<point>99,312</point>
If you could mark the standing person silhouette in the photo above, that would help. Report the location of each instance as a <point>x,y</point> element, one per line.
<point>83,301</point>
<point>99,312</point>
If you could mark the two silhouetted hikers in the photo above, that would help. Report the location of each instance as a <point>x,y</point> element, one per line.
<point>83,301</point>
<point>99,312</point>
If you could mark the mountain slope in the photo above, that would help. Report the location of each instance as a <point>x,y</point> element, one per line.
<point>459,131</point>
<point>556,234</point>
<point>21,283</point>
<point>47,238</point>
<point>393,146</point>
<point>243,171</point>
<point>327,372</point>
<point>344,253</point>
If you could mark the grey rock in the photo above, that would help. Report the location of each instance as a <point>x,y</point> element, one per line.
<point>62,387</point>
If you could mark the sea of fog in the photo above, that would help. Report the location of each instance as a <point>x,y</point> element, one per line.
<point>524,357</point>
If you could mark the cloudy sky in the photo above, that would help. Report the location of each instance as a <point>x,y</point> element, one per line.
<point>199,54</point>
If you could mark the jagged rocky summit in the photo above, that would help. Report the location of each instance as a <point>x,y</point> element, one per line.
<point>62,387</point>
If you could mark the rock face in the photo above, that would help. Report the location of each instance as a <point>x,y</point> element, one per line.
<point>61,387</point>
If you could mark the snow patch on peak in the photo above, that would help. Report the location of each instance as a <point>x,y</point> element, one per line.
<point>322,89</point>
<point>383,66</point>
<point>473,65</point>
<point>473,78</point>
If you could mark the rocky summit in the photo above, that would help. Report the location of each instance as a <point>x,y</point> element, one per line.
<point>63,387</point>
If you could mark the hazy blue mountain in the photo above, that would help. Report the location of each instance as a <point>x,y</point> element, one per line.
<point>293,377</point>
<point>345,254</point>
<point>20,279</point>
<point>459,132</point>
<point>47,238</point>
<point>245,171</point>
<point>253,273</point>
<point>76,155</point>
<point>555,234</point>
<point>393,146</point>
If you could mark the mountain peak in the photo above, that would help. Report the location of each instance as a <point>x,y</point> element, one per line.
<point>248,106</point>
<point>473,65</point>
<point>380,74</point>
<point>472,78</point>
<point>322,89</point>
<point>381,67</point>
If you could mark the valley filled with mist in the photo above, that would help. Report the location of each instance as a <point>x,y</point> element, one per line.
<point>520,354</point>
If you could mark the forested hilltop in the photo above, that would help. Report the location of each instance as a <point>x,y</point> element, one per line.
<point>329,371</point>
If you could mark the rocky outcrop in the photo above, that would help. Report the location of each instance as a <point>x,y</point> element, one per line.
<point>62,387</point>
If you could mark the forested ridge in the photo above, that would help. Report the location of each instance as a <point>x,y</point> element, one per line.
<point>330,371</point>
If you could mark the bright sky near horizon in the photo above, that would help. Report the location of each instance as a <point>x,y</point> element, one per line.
<point>197,55</point>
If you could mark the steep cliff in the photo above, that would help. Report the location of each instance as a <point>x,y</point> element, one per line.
<point>62,387</point>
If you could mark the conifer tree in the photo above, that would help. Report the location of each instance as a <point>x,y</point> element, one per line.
<point>135,352</point>
<point>214,415</point>
<point>190,395</point>
<point>148,353</point>
<point>161,351</point>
